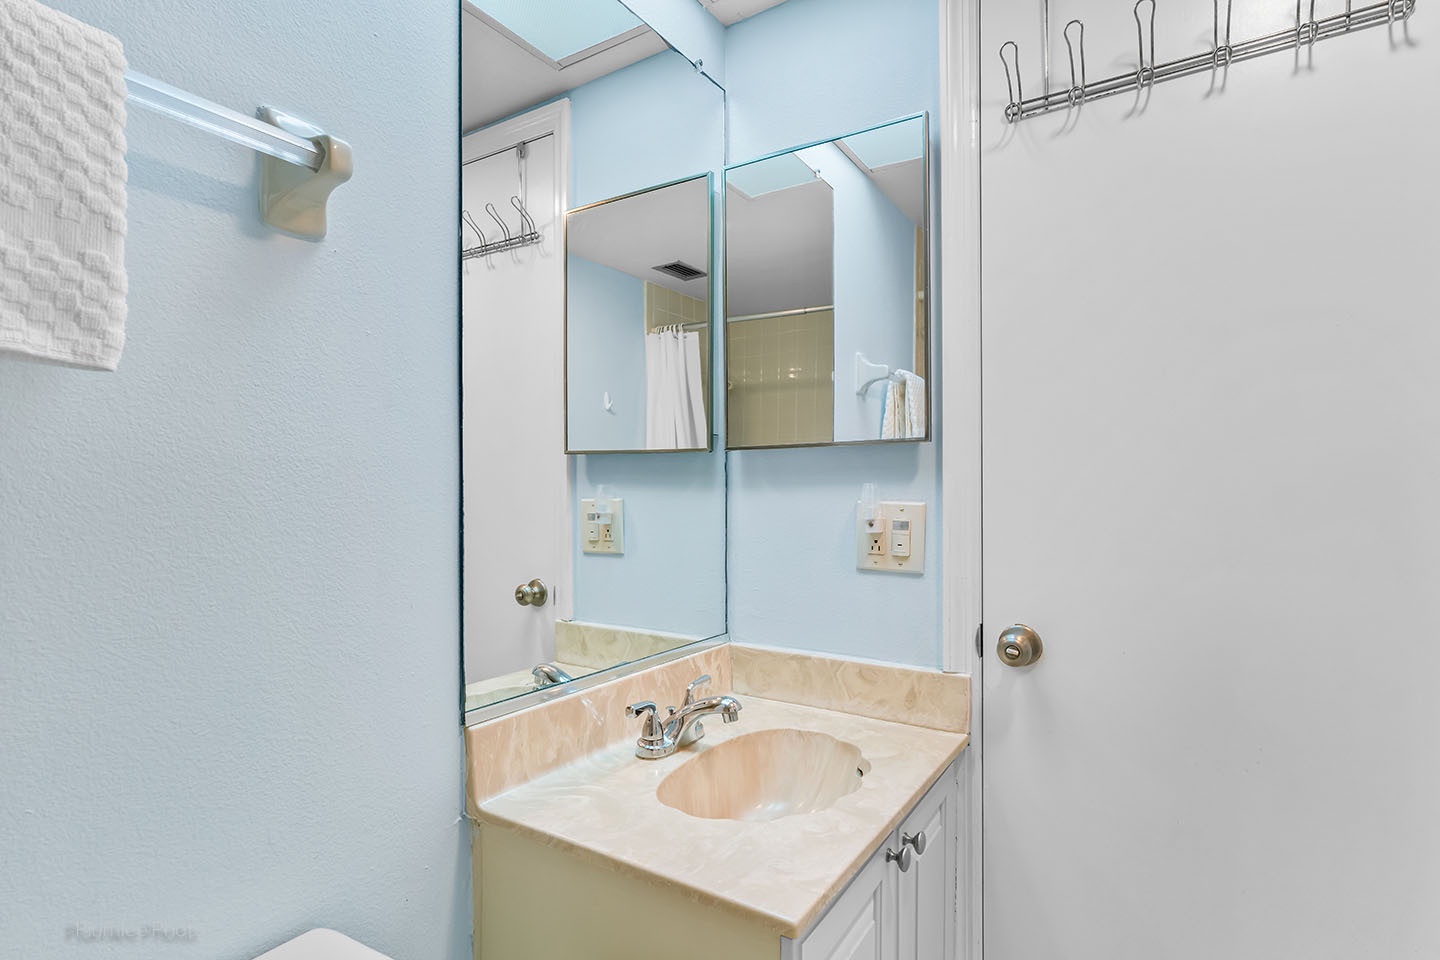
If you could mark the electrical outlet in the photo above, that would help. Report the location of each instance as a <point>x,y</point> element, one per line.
<point>875,537</point>
<point>893,541</point>
<point>602,532</point>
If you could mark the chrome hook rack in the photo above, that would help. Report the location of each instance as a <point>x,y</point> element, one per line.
<point>1308,31</point>
<point>528,234</point>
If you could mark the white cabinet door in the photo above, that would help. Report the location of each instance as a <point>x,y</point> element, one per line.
<point>928,891</point>
<point>860,925</point>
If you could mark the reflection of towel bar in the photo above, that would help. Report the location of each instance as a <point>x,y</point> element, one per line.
<point>868,374</point>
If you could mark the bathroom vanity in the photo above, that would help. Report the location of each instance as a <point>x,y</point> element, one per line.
<point>795,833</point>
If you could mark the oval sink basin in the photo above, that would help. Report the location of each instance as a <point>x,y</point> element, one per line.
<point>765,776</point>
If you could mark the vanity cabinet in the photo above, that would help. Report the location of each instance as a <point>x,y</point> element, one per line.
<point>887,913</point>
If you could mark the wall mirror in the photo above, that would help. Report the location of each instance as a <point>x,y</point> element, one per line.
<point>637,321</point>
<point>564,105</point>
<point>827,319</point>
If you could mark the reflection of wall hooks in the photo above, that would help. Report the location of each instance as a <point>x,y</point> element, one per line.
<point>868,374</point>
<point>529,233</point>
<point>1306,33</point>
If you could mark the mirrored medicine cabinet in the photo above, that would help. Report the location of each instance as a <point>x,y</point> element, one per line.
<point>827,313</point>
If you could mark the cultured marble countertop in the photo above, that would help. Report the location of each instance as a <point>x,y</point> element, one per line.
<point>781,873</point>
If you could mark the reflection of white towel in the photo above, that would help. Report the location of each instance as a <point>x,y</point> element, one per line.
<point>903,417</point>
<point>62,188</point>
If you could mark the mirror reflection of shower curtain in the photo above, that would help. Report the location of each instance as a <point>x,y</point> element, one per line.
<point>674,393</point>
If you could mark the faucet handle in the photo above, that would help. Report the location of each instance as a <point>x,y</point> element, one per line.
<point>690,690</point>
<point>654,730</point>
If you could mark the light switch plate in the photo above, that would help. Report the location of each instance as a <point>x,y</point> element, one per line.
<point>901,532</point>
<point>597,537</point>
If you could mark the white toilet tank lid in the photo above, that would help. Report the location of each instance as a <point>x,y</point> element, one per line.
<point>322,944</point>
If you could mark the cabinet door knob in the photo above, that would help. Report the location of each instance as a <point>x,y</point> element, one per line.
<point>904,858</point>
<point>916,840</point>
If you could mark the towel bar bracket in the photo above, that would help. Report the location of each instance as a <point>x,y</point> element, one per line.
<point>294,199</point>
<point>301,165</point>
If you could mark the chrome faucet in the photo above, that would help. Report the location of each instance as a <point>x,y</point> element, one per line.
<point>681,727</point>
<point>547,675</point>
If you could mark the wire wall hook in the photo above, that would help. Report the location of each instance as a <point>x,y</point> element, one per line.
<point>467,220</point>
<point>1077,87</point>
<point>1307,31</point>
<point>1145,74</point>
<point>1224,53</point>
<point>1400,10</point>
<point>527,224</point>
<point>495,215</point>
<point>1016,89</point>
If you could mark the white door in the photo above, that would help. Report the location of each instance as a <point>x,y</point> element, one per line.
<point>1212,485</point>
<point>515,495</point>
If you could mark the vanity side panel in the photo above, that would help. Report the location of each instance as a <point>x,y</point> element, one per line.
<point>534,902</point>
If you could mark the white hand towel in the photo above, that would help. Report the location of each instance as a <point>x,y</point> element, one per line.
<point>914,404</point>
<point>903,415</point>
<point>892,411</point>
<point>62,188</point>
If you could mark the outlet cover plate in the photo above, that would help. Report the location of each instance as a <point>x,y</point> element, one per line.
<point>886,561</point>
<point>596,537</point>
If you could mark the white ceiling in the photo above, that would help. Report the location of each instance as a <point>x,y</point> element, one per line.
<point>500,77</point>
<point>904,184</point>
<point>780,250</point>
<point>639,233</point>
<point>733,11</point>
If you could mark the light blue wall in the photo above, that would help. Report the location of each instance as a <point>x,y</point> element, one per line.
<point>605,353</point>
<point>689,28</point>
<point>228,573</point>
<point>651,123</point>
<point>874,288</point>
<point>805,71</point>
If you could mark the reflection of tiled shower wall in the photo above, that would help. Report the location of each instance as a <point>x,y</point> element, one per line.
<point>664,307</point>
<point>782,386</point>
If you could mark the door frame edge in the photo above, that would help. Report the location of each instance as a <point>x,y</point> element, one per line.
<point>961,415</point>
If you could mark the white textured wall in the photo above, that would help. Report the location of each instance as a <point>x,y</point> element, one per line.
<point>228,573</point>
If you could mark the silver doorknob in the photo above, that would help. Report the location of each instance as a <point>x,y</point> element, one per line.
<point>916,840</point>
<point>1019,646</point>
<point>903,859</point>
<point>532,594</point>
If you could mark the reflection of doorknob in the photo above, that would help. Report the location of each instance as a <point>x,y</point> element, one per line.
<point>532,594</point>
<point>1019,646</point>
